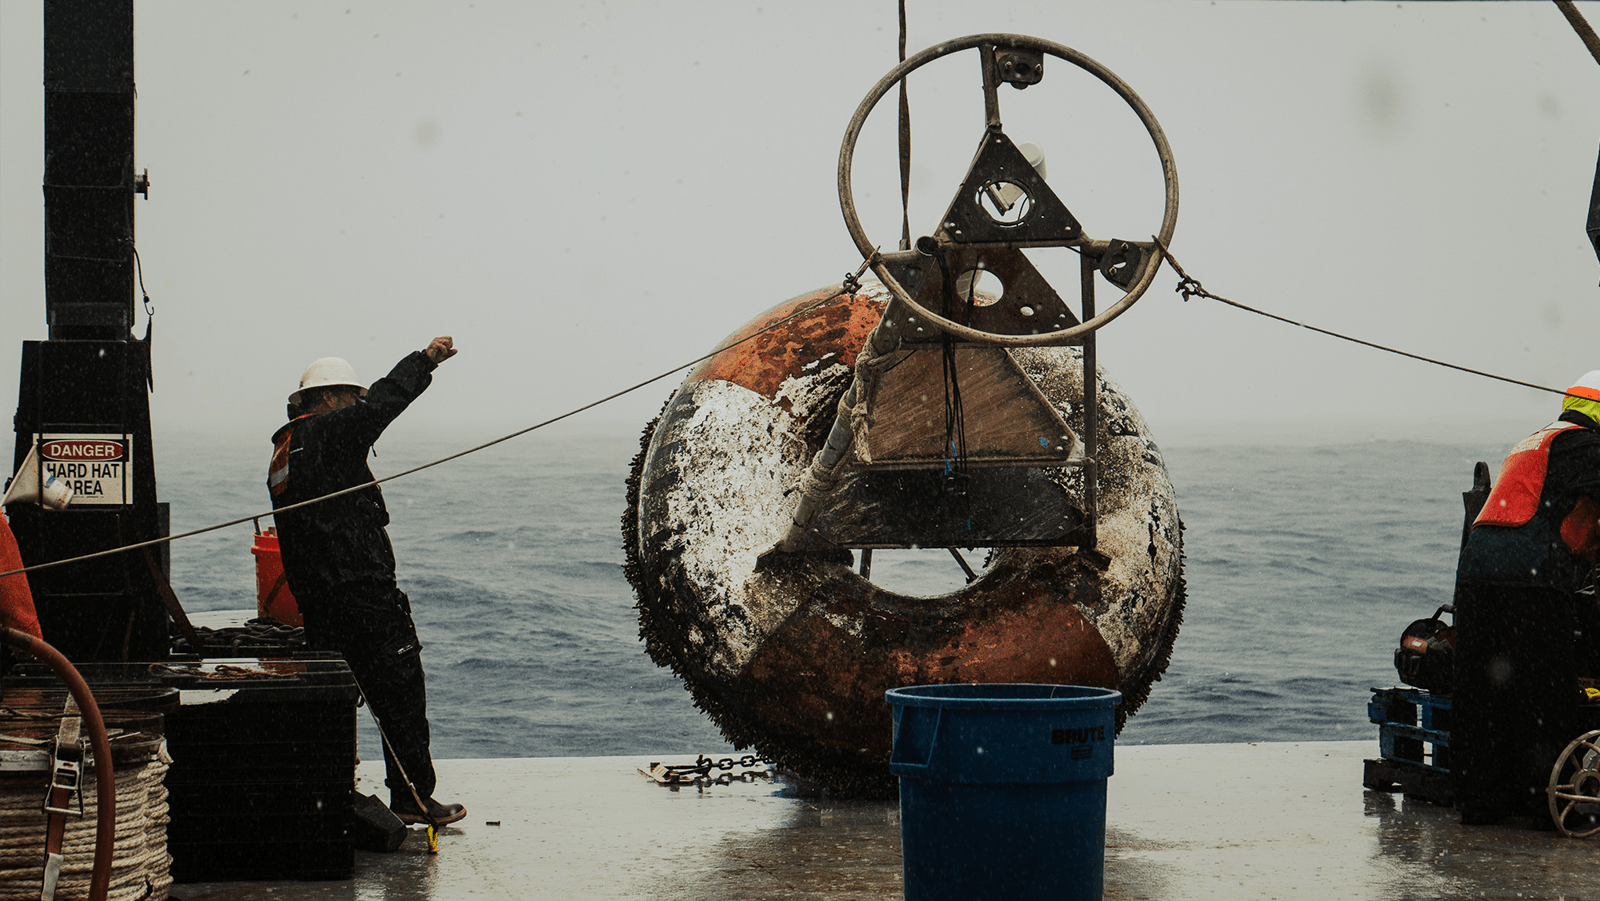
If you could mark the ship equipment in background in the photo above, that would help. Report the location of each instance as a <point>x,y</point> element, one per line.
<point>1592,226</point>
<point>963,423</point>
<point>263,753</point>
<point>1414,723</point>
<point>83,405</point>
<point>1574,789</point>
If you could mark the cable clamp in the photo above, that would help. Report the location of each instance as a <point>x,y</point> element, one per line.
<point>852,281</point>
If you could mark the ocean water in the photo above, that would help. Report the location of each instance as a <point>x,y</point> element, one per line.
<point>1304,563</point>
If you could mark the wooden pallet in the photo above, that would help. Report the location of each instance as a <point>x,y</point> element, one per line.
<point>1414,744</point>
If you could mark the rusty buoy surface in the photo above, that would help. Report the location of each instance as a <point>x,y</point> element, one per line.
<point>794,659</point>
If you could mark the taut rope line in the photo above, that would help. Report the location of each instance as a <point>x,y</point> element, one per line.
<point>1190,287</point>
<point>1187,286</point>
<point>850,280</point>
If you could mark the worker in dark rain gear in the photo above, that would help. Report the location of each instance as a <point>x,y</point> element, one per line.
<point>1530,550</point>
<point>338,560</point>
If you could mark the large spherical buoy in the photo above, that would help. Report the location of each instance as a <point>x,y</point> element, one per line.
<point>794,657</point>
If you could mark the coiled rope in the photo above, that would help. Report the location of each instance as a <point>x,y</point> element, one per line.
<point>140,867</point>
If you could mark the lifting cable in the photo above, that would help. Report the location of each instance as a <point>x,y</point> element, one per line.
<point>905,143</point>
<point>955,419</point>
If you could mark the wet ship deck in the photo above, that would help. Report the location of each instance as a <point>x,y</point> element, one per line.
<point>1280,820</point>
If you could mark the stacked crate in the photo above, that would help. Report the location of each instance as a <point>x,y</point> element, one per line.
<point>264,755</point>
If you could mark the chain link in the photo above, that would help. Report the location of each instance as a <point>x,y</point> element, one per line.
<point>699,773</point>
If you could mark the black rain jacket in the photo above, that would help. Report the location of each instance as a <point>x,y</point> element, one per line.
<point>339,546</point>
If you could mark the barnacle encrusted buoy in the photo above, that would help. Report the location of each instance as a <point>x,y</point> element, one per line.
<point>794,658</point>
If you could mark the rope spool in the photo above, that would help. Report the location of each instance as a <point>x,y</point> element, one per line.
<point>140,865</point>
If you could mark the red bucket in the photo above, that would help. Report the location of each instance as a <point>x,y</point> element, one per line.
<point>272,589</point>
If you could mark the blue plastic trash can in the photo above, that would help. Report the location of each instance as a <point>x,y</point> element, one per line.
<point>1003,789</point>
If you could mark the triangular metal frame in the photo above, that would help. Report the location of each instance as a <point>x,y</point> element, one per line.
<point>1028,305</point>
<point>1047,221</point>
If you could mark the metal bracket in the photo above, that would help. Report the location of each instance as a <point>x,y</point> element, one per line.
<point>1019,68</point>
<point>1121,262</point>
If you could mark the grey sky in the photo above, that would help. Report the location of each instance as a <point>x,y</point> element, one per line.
<point>585,194</point>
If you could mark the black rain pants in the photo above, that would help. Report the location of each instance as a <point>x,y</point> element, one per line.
<point>374,633</point>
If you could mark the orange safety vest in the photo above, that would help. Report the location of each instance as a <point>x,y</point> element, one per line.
<point>1515,497</point>
<point>278,469</point>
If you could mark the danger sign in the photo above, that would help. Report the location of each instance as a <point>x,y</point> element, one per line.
<point>96,467</point>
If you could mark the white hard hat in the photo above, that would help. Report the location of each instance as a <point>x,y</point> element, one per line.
<point>324,372</point>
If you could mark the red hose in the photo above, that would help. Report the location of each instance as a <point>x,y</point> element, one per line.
<point>105,780</point>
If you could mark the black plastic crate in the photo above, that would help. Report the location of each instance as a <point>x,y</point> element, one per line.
<point>264,757</point>
<point>246,806</point>
<point>258,822</point>
<point>276,738</point>
<point>258,859</point>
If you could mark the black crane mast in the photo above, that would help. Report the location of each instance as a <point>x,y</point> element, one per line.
<point>83,403</point>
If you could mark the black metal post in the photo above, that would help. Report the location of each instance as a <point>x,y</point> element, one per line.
<point>1091,406</point>
<point>83,405</point>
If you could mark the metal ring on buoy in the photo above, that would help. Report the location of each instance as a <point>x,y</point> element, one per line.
<point>794,658</point>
